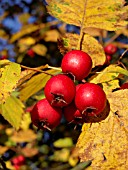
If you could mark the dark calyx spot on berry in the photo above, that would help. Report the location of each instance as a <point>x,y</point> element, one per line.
<point>71,76</point>
<point>59,98</point>
<point>90,111</point>
<point>43,125</point>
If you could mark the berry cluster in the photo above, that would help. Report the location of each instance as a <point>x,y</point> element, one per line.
<point>18,161</point>
<point>109,50</point>
<point>63,96</point>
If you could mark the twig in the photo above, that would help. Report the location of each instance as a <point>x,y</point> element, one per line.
<point>123,54</point>
<point>81,29</point>
<point>37,70</point>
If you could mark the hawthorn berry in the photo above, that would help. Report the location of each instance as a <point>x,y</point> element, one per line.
<point>60,90</point>
<point>72,114</point>
<point>90,99</point>
<point>77,63</point>
<point>3,57</point>
<point>44,116</point>
<point>110,49</point>
<point>108,59</point>
<point>124,86</point>
<point>31,53</point>
<point>18,160</point>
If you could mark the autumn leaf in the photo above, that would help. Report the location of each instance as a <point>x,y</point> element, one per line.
<point>89,44</point>
<point>40,49</point>
<point>35,84</point>
<point>108,77</point>
<point>9,76</point>
<point>105,143</point>
<point>26,29</point>
<point>24,136</point>
<point>109,15</point>
<point>12,111</point>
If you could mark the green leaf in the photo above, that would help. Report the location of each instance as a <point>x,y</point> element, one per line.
<point>9,76</point>
<point>35,84</point>
<point>109,15</point>
<point>12,111</point>
<point>63,143</point>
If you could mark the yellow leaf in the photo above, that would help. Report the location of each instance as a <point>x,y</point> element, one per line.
<point>26,41</point>
<point>89,44</point>
<point>109,15</point>
<point>35,84</point>
<point>24,136</point>
<point>3,149</point>
<point>109,73</point>
<point>12,111</point>
<point>27,29</point>
<point>40,49</point>
<point>9,76</point>
<point>106,143</point>
<point>51,35</point>
<point>25,121</point>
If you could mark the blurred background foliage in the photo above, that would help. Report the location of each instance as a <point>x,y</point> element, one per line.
<point>29,36</point>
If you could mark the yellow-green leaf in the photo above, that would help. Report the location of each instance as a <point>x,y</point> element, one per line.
<point>24,17</point>
<point>63,143</point>
<point>109,73</point>
<point>9,76</point>
<point>26,120</point>
<point>40,49</point>
<point>35,84</point>
<point>89,44</point>
<point>61,155</point>
<point>12,111</point>
<point>105,143</point>
<point>109,15</point>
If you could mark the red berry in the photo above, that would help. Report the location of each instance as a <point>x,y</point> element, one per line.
<point>21,159</point>
<point>124,86</point>
<point>72,114</point>
<point>78,86</point>
<point>44,116</point>
<point>60,90</point>
<point>31,53</point>
<point>110,49</point>
<point>108,59</point>
<point>15,161</point>
<point>90,99</point>
<point>77,63</point>
<point>18,160</point>
<point>3,57</point>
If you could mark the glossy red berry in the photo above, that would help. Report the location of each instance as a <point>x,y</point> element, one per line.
<point>31,53</point>
<point>44,116</point>
<point>90,99</point>
<point>18,160</point>
<point>110,49</point>
<point>60,90</point>
<point>124,86</point>
<point>77,63</point>
<point>108,59</point>
<point>72,114</point>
